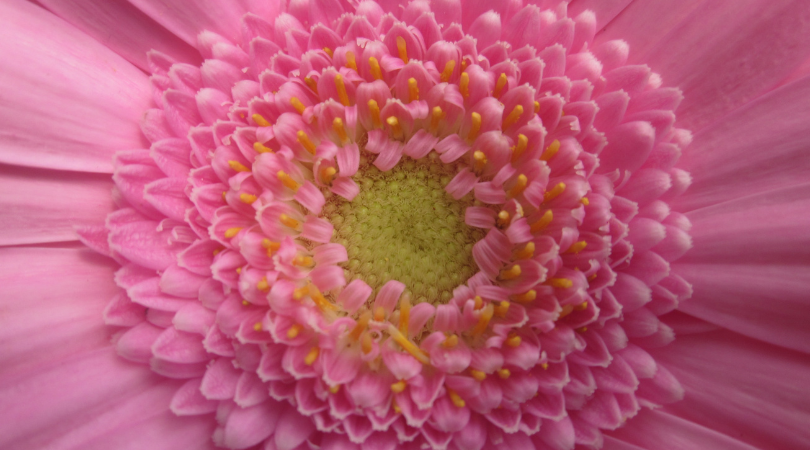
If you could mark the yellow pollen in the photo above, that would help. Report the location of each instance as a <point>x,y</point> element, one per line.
<point>297,105</point>
<point>404,313</point>
<point>262,285</point>
<point>340,129</point>
<point>319,299</point>
<point>398,387</point>
<point>257,326</point>
<point>238,270</point>
<point>504,373</point>
<point>499,85</point>
<point>542,222</point>
<point>341,88</point>
<point>513,117</point>
<point>303,261</point>
<point>475,126</point>
<point>503,219</point>
<point>231,232</point>
<point>582,329</point>
<point>270,245</point>
<point>304,140</point>
<point>312,356</point>
<point>582,306</point>
<point>550,151</point>
<point>402,48</point>
<point>455,398</point>
<point>519,187</point>
<point>216,252</point>
<point>367,343</point>
<point>396,407</point>
<point>374,109</point>
<point>396,129</point>
<point>483,320</point>
<point>260,120</point>
<point>448,70</point>
<point>544,366</point>
<point>237,166</point>
<point>577,247</point>
<point>525,297</point>
<point>585,201</point>
<point>360,326</point>
<point>561,283</point>
<point>294,331</point>
<point>520,147</point>
<point>311,84</point>
<point>554,192</point>
<point>261,148</point>
<point>376,72</point>
<point>287,180</point>
<point>225,195</point>
<point>464,84</point>
<point>526,252</point>
<point>510,274</point>
<point>328,51</point>
<point>451,341</point>
<point>334,389</point>
<point>288,221</point>
<point>379,314</point>
<point>479,302</point>
<point>407,345</point>
<point>480,161</point>
<point>436,116</point>
<point>413,89</point>
<point>536,107</point>
<point>328,175</point>
<point>247,198</point>
<point>592,277</point>
<point>351,63</point>
<point>478,375</point>
<point>502,309</point>
<point>245,303</point>
<point>513,341</point>
<point>463,65</point>
<point>299,293</point>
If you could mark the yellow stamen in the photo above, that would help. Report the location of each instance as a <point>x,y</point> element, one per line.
<point>592,277</point>
<point>554,192</point>
<point>464,84</point>
<point>479,161</point>
<point>519,187</point>
<point>483,320</point>
<point>525,297</point>
<point>475,126</point>
<point>311,84</point>
<point>216,252</point>
<point>362,323</point>
<point>499,85</point>
<point>413,89</point>
<point>304,140</point>
<point>225,195</point>
<point>396,129</point>
<point>312,356</point>
<point>582,329</point>
<point>455,398</point>
<point>376,72</point>
<point>577,247</point>
<point>479,302</point>
<point>404,313</point>
<point>451,341</point>
<point>367,343</point>
<point>513,117</point>
<point>463,65</point>
<point>237,166</point>
<point>260,120</point>
<point>513,341</point>
<point>287,180</point>
<point>334,389</point>
<point>288,221</point>
<point>341,88</point>
<point>503,219</point>
<point>398,387</point>
<point>436,116</point>
<point>585,201</point>
<point>263,285</point>
<point>328,175</point>
<point>502,309</point>
<point>231,232</point>
<point>374,109</point>
<point>402,48</point>
<point>379,314</point>
<point>340,129</point>
<point>526,252</point>
<point>294,331</point>
<point>299,293</point>
<point>582,306</point>
<point>351,63</point>
<point>270,245</point>
<point>561,283</point>
<point>550,151</point>
<point>257,326</point>
<point>328,51</point>
<point>396,407</point>
<point>247,198</point>
<point>317,297</point>
<point>536,107</point>
<point>478,375</point>
<point>297,105</point>
<point>542,222</point>
<point>407,345</point>
<point>544,366</point>
<point>245,303</point>
<point>448,70</point>
<point>303,261</point>
<point>238,270</point>
<point>510,274</point>
<point>261,148</point>
<point>504,373</point>
<point>520,147</point>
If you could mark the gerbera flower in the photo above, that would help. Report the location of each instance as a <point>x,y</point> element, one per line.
<point>427,225</point>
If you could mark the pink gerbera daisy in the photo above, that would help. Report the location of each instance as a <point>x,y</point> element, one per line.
<point>432,225</point>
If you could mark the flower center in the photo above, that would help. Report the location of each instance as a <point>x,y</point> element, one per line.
<point>404,226</point>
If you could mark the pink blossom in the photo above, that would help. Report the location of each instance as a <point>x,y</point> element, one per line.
<point>372,225</point>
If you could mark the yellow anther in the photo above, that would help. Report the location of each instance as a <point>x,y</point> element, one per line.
<point>257,326</point>
<point>360,326</point>
<point>475,126</point>
<point>526,252</point>
<point>260,120</point>
<point>479,302</point>
<point>478,375</point>
<point>311,84</point>
<point>502,309</point>
<point>374,109</point>
<point>351,63</point>
<point>451,341</point>
<point>231,232</point>
<point>582,329</point>
<point>479,161</point>
<point>270,245</point>
<point>374,65</point>
<point>343,96</point>
<point>503,219</point>
<point>519,187</point>
<point>287,180</point>
<point>379,314</point>
<point>577,247</point>
<point>340,129</point>
<point>334,389</point>
<point>448,70</point>
<point>304,140</point>
<point>510,273</point>
<point>542,222</point>
<point>435,118</point>
<point>301,292</point>
<point>554,192</point>
<point>303,261</point>
<point>483,320</point>
<point>294,331</point>
<point>404,313</point>
<point>297,105</point>
<point>561,283</point>
<point>245,303</point>
<point>592,277</point>
<point>263,285</point>
<point>396,129</point>
<point>519,147</point>
<point>550,151</point>
<point>247,198</point>
<point>396,407</point>
<point>544,366</point>
<point>261,148</point>
<point>464,65</point>
<point>237,166</point>
<point>513,341</point>
<point>224,195</point>
<point>413,89</point>
<point>585,201</point>
<point>329,51</point>
<point>513,117</point>
<point>402,48</point>
<point>582,306</point>
<point>367,342</point>
<point>216,252</point>
<point>464,84</point>
<point>499,85</point>
<point>398,387</point>
<point>536,107</point>
<point>525,297</point>
<point>407,345</point>
<point>288,221</point>
<point>455,398</point>
<point>316,295</point>
<point>504,373</point>
<point>328,175</point>
<point>312,356</point>
<point>238,270</point>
